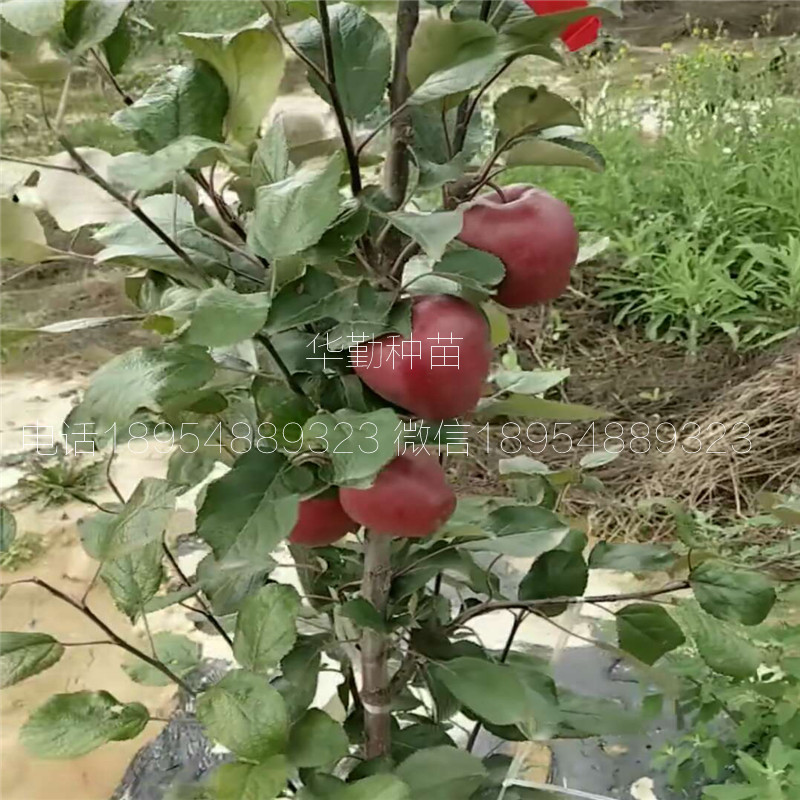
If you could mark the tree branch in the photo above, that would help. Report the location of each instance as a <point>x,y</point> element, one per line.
<point>336,100</point>
<point>395,170</point>
<point>375,689</point>
<point>532,605</point>
<point>117,640</point>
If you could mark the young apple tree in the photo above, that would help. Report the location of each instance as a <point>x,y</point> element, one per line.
<point>327,315</point>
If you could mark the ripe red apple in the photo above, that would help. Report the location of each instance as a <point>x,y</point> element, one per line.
<point>321,521</point>
<point>438,373</point>
<point>532,233</point>
<point>410,497</point>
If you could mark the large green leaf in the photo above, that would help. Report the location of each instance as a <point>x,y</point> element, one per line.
<point>524,109</point>
<point>184,101</point>
<point>375,787</point>
<point>362,57</point>
<point>117,47</point>
<point>246,715</point>
<point>145,377</point>
<point>248,511</point>
<point>35,19</point>
<point>26,654</point>
<point>316,740</point>
<point>71,725</point>
<point>523,531</point>
<point>228,583</point>
<point>368,316</point>
<point>632,557</point>
<point>441,773</point>
<point>266,627</point>
<point>180,654</point>
<point>134,578</point>
<point>732,594</point>
<point>292,214</point>
<point>89,22</point>
<point>448,57</point>
<point>356,444</point>
<point>240,781</point>
<point>222,317</point>
<point>147,172</point>
<point>314,296</point>
<point>470,268</point>
<point>432,231</point>
<point>647,631</point>
<point>141,522</point>
<point>270,162</point>
<point>722,645</point>
<point>556,152</point>
<point>21,234</point>
<point>492,691</point>
<point>535,381</point>
<point>556,573</point>
<point>251,63</point>
<point>8,528</point>
<point>300,668</point>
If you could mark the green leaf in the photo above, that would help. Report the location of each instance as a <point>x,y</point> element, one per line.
<point>647,631</point>
<point>470,268</point>
<point>177,652</point>
<point>248,511</point>
<point>556,152</point>
<point>21,234</point>
<point>141,522</point>
<point>528,407</point>
<point>89,22</point>
<point>71,725</point>
<point>316,740</point>
<point>223,317</point>
<point>448,57</point>
<point>441,773</point>
<point>298,684</point>
<point>522,465</point>
<point>187,468</point>
<point>632,557</point>
<point>535,381</point>
<point>499,327</point>
<point>522,531</point>
<point>251,63</point>
<point>492,691</point>
<point>369,316</point>
<point>171,598</point>
<point>246,715</point>
<point>133,579</point>
<point>529,33</point>
<point>314,296</point>
<point>357,444</point>
<point>375,787</point>
<point>292,214</point>
<point>362,57</point>
<point>720,644</point>
<point>239,781</point>
<point>364,614</point>
<point>556,573</point>
<point>732,594</point>
<point>147,172</point>
<point>26,654</point>
<point>266,627</point>
<point>524,109</point>
<point>270,162</point>
<point>145,377</point>
<point>228,583</point>
<point>117,47</point>
<point>599,458</point>
<point>35,19</point>
<point>432,231</point>
<point>184,101</point>
<point>584,716</point>
<point>8,528</point>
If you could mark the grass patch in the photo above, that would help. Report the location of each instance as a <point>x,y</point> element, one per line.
<point>703,215</point>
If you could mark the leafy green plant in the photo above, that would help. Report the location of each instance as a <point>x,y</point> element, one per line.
<point>254,293</point>
<point>59,478</point>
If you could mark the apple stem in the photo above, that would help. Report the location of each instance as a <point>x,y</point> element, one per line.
<point>375,692</point>
<point>498,190</point>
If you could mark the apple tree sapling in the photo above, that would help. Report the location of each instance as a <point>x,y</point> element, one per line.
<point>314,315</point>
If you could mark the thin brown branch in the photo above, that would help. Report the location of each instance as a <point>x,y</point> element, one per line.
<point>532,605</point>
<point>109,76</point>
<point>40,164</point>
<point>461,133</point>
<point>115,638</point>
<point>336,100</point>
<point>395,170</point>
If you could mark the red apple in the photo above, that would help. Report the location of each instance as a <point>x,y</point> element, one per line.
<point>321,521</point>
<point>410,498</point>
<point>438,373</point>
<point>579,33</point>
<point>532,233</point>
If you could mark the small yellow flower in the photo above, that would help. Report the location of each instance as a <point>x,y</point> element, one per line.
<point>666,46</point>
